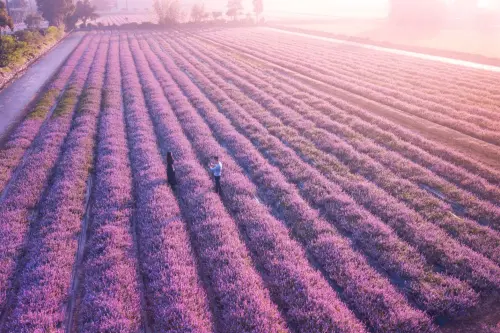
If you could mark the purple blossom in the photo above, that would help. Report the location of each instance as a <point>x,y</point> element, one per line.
<point>310,303</point>
<point>22,137</point>
<point>19,206</point>
<point>481,239</point>
<point>174,291</point>
<point>51,249</point>
<point>385,247</point>
<point>110,291</point>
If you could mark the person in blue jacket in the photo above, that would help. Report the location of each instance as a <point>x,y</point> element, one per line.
<point>216,169</point>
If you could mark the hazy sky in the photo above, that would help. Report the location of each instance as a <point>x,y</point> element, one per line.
<point>291,7</point>
<point>324,7</point>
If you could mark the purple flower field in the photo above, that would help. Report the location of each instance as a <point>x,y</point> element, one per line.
<point>332,217</point>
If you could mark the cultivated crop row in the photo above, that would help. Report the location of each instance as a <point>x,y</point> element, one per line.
<point>385,81</point>
<point>21,138</point>
<point>408,67</point>
<point>381,130</point>
<point>173,288</point>
<point>331,219</point>
<point>428,206</point>
<point>407,224</point>
<point>387,248</point>
<point>327,247</point>
<point>366,90</point>
<point>239,298</point>
<point>272,251</point>
<point>108,296</point>
<point>443,89</point>
<point>52,244</point>
<point>18,208</point>
<point>491,175</point>
<point>442,160</point>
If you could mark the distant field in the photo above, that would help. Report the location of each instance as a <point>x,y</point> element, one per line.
<point>475,42</point>
<point>119,19</point>
<point>361,190</point>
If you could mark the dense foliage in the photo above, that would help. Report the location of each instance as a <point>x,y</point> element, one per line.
<point>23,46</point>
<point>84,12</point>
<point>234,8</point>
<point>5,19</point>
<point>56,11</point>
<point>168,12</point>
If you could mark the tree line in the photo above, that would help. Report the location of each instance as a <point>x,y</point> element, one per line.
<point>57,12</point>
<point>169,11</point>
<point>65,12</point>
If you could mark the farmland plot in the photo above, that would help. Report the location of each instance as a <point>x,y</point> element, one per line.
<point>333,217</point>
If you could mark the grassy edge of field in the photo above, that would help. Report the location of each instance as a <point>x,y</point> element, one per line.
<point>9,73</point>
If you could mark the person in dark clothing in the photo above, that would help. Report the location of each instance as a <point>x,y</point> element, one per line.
<point>171,171</point>
<point>216,169</point>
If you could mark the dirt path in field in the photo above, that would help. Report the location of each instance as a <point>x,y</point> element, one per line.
<point>484,152</point>
<point>77,269</point>
<point>18,95</point>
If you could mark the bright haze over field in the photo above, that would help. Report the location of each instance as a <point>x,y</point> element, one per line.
<point>277,9</point>
<point>327,8</point>
<point>293,8</point>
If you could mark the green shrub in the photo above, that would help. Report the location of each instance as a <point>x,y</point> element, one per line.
<point>24,45</point>
<point>55,32</point>
<point>11,51</point>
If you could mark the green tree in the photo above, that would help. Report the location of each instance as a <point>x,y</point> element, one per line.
<point>168,11</point>
<point>234,8</point>
<point>18,4</point>
<point>33,21</point>
<point>258,8</point>
<point>11,51</point>
<point>56,11</point>
<point>84,11</point>
<point>198,13</point>
<point>217,15</point>
<point>5,19</point>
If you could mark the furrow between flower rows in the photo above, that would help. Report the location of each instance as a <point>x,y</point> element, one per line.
<point>307,301</point>
<point>19,205</point>
<point>174,292</point>
<point>46,278</point>
<point>109,296</point>
<point>369,233</point>
<point>479,238</point>
<point>238,297</point>
<point>367,295</point>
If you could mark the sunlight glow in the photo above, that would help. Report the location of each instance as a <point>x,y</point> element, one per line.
<point>328,7</point>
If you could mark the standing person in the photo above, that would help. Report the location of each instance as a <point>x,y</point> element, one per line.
<point>217,171</point>
<point>171,171</point>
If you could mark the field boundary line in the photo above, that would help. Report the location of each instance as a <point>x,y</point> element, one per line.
<point>419,55</point>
